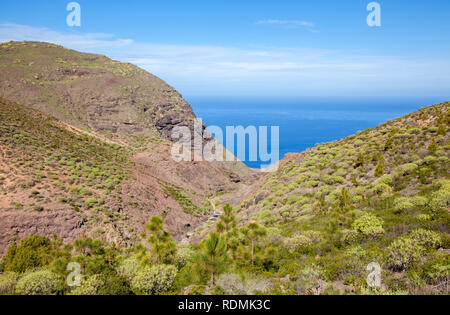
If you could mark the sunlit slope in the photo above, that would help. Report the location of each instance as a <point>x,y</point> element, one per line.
<point>382,195</point>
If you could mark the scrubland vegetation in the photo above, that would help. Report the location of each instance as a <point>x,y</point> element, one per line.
<point>312,227</point>
<point>381,196</point>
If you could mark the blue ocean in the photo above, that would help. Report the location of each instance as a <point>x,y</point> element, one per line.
<point>304,122</point>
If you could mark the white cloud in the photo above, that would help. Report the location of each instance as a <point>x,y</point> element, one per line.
<point>204,69</point>
<point>74,40</point>
<point>291,23</point>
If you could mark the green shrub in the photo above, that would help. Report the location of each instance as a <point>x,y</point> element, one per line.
<point>115,285</point>
<point>89,286</point>
<point>379,171</point>
<point>231,284</point>
<point>40,283</point>
<point>424,217</point>
<point>341,172</point>
<point>382,189</point>
<point>402,205</point>
<point>154,280</point>
<point>426,238</point>
<point>429,160</point>
<point>332,180</point>
<point>128,268</point>
<point>402,252</point>
<point>104,284</point>
<point>408,249</point>
<point>183,256</point>
<point>369,226</point>
<point>442,130</point>
<point>297,242</point>
<point>312,184</point>
<point>355,260</point>
<point>309,277</point>
<point>419,201</point>
<point>437,269</point>
<point>8,282</point>
<point>441,199</point>
<point>28,255</point>
<point>387,179</point>
<point>350,236</point>
<point>332,271</point>
<point>406,169</point>
<point>357,199</point>
<point>91,202</point>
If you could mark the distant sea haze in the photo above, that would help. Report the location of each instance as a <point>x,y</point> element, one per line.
<point>304,122</point>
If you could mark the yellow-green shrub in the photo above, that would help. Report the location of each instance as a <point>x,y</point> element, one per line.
<point>40,283</point>
<point>369,226</point>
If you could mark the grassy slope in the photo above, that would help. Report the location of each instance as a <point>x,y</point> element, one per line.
<point>116,100</point>
<point>330,212</point>
<point>87,90</point>
<point>48,167</point>
<point>343,213</point>
<point>113,103</point>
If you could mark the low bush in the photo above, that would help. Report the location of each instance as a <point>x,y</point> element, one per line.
<point>297,242</point>
<point>8,282</point>
<point>40,283</point>
<point>369,226</point>
<point>154,280</point>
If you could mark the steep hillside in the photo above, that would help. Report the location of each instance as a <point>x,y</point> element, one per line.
<point>321,224</point>
<point>86,104</point>
<point>382,196</point>
<point>90,91</point>
<point>115,100</point>
<point>405,156</point>
<point>58,180</point>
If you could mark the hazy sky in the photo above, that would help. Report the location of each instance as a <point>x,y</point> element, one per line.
<point>257,48</point>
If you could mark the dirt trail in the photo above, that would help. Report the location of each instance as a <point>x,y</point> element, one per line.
<point>213,218</point>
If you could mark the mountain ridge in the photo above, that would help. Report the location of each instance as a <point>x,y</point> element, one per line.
<point>66,84</point>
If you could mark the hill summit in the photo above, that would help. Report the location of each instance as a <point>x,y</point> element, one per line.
<point>90,91</point>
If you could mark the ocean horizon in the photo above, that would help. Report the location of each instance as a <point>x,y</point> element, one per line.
<point>305,122</point>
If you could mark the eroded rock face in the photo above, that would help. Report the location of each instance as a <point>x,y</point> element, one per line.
<point>16,225</point>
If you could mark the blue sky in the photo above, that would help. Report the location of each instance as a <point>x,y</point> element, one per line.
<point>257,48</point>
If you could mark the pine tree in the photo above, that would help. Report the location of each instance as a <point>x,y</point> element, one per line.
<point>10,255</point>
<point>441,130</point>
<point>212,256</point>
<point>163,248</point>
<point>344,199</point>
<point>254,232</point>
<point>355,180</point>
<point>433,147</point>
<point>30,253</point>
<point>359,160</point>
<point>379,171</point>
<point>390,140</point>
<point>227,220</point>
